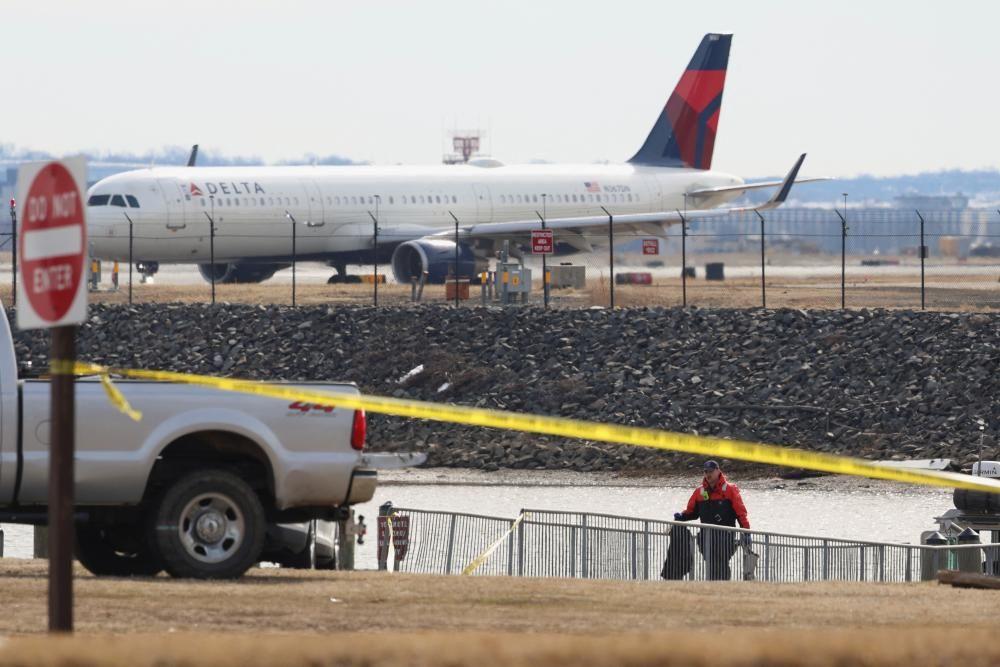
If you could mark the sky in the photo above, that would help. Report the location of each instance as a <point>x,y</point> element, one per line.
<point>879,87</point>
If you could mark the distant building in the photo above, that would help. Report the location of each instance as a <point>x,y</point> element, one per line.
<point>922,203</point>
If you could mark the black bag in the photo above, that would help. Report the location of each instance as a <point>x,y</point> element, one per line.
<point>678,561</point>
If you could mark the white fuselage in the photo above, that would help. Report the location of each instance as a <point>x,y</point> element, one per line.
<point>333,207</point>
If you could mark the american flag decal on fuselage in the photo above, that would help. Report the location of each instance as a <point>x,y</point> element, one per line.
<point>592,186</point>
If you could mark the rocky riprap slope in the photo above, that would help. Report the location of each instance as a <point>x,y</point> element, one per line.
<point>878,384</point>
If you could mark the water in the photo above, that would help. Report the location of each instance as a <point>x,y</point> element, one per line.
<point>830,507</point>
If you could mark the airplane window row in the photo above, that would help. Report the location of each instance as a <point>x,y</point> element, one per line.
<point>113,200</point>
<point>570,199</point>
<point>251,201</point>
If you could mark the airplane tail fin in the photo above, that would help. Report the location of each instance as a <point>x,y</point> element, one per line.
<point>684,134</point>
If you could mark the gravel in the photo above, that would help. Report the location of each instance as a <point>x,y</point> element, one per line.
<point>872,383</point>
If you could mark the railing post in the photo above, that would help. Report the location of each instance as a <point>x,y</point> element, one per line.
<point>572,552</point>
<point>909,564</point>
<point>881,563</point>
<point>863,565</point>
<point>635,556</point>
<point>520,549</point>
<point>767,557</point>
<point>451,545</point>
<point>826,560</point>
<point>584,569</point>
<point>805,563</point>
<point>645,550</point>
<point>510,554</point>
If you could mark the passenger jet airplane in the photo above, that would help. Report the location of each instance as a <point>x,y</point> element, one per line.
<point>335,209</point>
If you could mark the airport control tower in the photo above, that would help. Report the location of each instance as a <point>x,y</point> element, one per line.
<point>464,144</point>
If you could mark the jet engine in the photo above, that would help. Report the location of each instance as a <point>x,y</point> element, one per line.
<point>436,257</point>
<point>238,272</point>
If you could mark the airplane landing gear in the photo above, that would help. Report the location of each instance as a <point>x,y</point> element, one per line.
<point>341,277</point>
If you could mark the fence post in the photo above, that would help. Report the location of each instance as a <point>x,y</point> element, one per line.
<point>843,259</point>
<point>211,245</point>
<point>375,254</point>
<point>456,257</point>
<point>545,264</point>
<point>763,288</point>
<point>863,566</point>
<point>584,570</point>
<point>13,252</point>
<point>923,256</point>
<point>805,563</point>
<point>130,237</point>
<point>611,254</point>
<point>684,262</point>
<point>826,560</point>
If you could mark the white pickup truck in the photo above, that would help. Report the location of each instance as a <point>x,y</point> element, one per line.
<point>193,488</point>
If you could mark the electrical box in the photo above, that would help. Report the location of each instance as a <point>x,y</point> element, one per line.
<point>515,276</point>
<point>567,276</point>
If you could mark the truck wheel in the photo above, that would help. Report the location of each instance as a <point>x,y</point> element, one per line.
<point>99,550</point>
<point>208,524</point>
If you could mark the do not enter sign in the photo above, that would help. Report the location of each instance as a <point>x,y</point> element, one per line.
<point>52,244</point>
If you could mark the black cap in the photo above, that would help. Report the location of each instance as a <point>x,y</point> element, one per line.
<point>711,465</point>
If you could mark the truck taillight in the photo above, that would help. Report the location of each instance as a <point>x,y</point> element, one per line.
<point>359,430</point>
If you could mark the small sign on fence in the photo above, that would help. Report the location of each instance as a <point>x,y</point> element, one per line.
<point>651,246</point>
<point>541,242</point>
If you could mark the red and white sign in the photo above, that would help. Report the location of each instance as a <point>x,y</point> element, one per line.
<point>651,246</point>
<point>52,244</point>
<point>542,242</point>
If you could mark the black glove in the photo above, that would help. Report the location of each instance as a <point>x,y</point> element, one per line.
<point>678,516</point>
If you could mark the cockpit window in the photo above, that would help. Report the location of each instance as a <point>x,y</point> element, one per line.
<point>132,201</point>
<point>118,200</point>
<point>98,200</point>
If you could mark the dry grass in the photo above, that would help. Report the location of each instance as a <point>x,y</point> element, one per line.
<point>878,292</point>
<point>372,618</point>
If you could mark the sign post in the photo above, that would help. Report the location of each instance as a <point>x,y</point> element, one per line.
<point>52,294</point>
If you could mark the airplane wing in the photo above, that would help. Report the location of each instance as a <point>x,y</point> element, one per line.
<point>648,223</point>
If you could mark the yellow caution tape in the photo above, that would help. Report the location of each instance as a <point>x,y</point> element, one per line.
<point>478,561</point>
<point>118,400</point>
<point>567,428</point>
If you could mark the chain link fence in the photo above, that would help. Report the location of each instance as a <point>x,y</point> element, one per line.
<point>547,543</point>
<point>795,258</point>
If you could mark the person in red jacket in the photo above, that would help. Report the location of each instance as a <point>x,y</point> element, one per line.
<point>717,501</point>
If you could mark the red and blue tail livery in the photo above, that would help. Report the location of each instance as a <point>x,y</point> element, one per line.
<point>684,134</point>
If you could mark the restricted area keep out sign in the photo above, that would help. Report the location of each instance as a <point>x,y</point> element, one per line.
<point>651,246</point>
<point>51,244</point>
<point>541,242</point>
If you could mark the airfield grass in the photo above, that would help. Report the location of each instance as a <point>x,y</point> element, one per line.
<point>372,618</point>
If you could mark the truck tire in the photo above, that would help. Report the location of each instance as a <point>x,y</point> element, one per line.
<point>102,554</point>
<point>208,524</point>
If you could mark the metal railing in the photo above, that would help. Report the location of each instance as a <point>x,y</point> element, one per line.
<point>550,543</point>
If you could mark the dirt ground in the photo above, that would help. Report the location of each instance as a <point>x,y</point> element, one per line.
<point>416,619</point>
<point>950,293</point>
